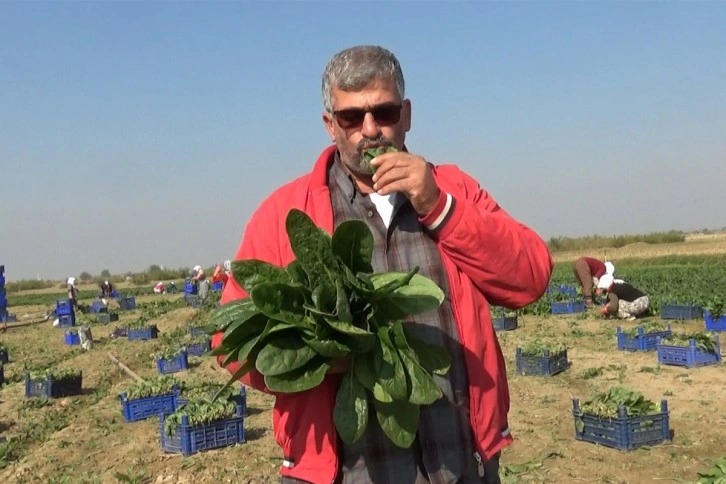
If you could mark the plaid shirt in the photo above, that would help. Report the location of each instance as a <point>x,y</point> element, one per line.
<point>443,451</point>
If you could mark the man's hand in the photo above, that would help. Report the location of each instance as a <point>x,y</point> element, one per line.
<point>604,310</point>
<point>409,174</point>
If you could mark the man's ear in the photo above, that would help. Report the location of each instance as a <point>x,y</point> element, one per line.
<point>406,115</point>
<point>329,125</point>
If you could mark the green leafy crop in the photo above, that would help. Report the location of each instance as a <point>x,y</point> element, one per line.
<point>371,153</point>
<point>328,312</point>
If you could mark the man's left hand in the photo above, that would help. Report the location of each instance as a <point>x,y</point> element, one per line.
<point>409,174</point>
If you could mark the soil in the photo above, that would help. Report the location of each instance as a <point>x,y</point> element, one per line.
<point>84,438</point>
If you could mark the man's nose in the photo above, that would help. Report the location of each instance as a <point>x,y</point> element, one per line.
<point>370,128</point>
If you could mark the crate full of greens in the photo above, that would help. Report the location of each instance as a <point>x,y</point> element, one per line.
<point>689,349</point>
<point>199,345</point>
<point>565,300</point>
<point>503,319</point>
<point>621,418</point>
<point>715,314</point>
<point>172,360</point>
<point>107,317</point>
<point>541,358</point>
<point>328,312</point>
<point>212,391</point>
<point>150,398</point>
<point>140,329</point>
<point>201,425</point>
<point>644,337</point>
<point>53,383</point>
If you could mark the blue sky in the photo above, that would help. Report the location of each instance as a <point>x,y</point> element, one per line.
<point>135,133</point>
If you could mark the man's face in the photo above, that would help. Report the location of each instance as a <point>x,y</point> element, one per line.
<point>354,131</point>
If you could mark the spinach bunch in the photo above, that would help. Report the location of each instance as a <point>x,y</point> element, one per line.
<point>541,348</point>
<point>605,405</point>
<point>199,412</point>
<point>704,341</point>
<point>327,309</point>
<point>56,374</point>
<point>648,327</point>
<point>371,153</point>
<point>162,385</point>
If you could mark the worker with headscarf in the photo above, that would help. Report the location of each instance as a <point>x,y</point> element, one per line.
<point>588,272</point>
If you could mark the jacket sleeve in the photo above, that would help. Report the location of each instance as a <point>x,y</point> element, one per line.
<point>258,242</point>
<point>506,260</point>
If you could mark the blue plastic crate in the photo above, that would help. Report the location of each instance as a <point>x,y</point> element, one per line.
<point>717,324</point>
<point>571,307</point>
<point>72,338</point>
<point>190,288</point>
<point>505,323</point>
<point>189,440</point>
<point>115,294</point>
<point>643,341</point>
<point>217,286</point>
<point>199,349</point>
<point>63,307</point>
<point>624,432</point>
<point>143,408</point>
<point>4,355</point>
<point>175,364</point>
<point>127,303</point>
<point>562,288</point>
<point>52,388</point>
<point>680,311</point>
<point>97,307</point>
<point>689,357</point>
<point>67,320</point>
<point>548,365</point>
<point>105,318</point>
<point>149,332</point>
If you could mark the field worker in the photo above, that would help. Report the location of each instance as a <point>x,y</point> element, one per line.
<point>201,281</point>
<point>588,271</point>
<point>624,300</point>
<point>106,289</point>
<point>222,273</point>
<point>72,291</point>
<point>159,288</point>
<point>435,217</point>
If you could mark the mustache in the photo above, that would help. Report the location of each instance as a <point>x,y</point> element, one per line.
<point>366,143</point>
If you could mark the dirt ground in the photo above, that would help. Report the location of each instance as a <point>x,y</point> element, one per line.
<point>84,438</point>
<point>695,244</point>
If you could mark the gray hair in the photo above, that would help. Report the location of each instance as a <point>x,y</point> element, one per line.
<point>354,68</point>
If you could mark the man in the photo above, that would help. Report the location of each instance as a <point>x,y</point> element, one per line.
<point>624,300</point>
<point>588,271</point>
<point>434,217</point>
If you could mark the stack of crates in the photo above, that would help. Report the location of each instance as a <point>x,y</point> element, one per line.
<point>3,299</point>
<point>65,312</point>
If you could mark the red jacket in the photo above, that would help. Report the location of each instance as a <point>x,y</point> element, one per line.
<point>489,258</point>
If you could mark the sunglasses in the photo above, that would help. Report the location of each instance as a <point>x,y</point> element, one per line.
<point>385,115</point>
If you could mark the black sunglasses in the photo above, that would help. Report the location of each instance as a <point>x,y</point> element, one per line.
<point>385,115</point>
